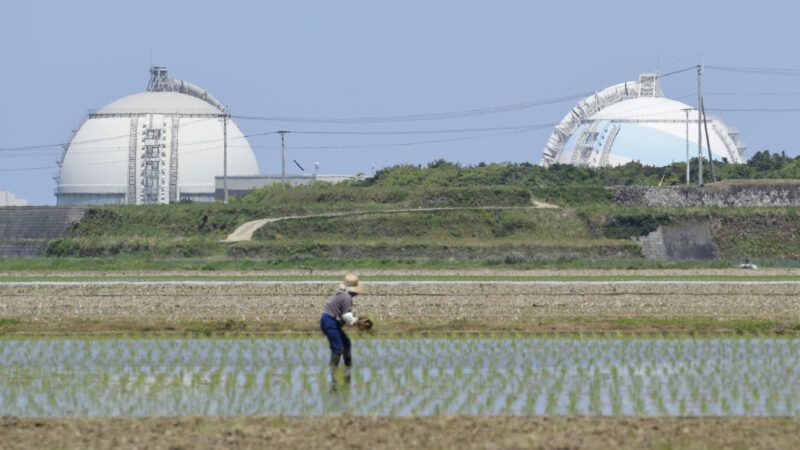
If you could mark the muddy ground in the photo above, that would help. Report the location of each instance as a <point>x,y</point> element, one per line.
<point>403,307</point>
<point>378,433</point>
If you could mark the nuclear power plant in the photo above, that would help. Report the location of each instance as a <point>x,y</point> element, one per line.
<point>169,143</point>
<point>160,146</point>
<point>633,121</point>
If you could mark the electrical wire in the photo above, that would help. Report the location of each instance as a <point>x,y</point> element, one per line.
<point>752,94</point>
<point>431,116</point>
<point>420,117</point>
<point>757,70</point>
<point>106,148</point>
<point>756,110</point>
<point>216,147</point>
<point>445,131</point>
<point>686,69</point>
<point>265,133</point>
<point>25,169</point>
<point>404,144</point>
<point>60,144</point>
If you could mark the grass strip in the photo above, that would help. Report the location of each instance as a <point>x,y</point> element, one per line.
<point>410,278</point>
<point>600,327</point>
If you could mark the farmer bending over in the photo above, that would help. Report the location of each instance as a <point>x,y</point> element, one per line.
<point>338,312</point>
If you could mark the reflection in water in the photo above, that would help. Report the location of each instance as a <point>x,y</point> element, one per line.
<point>582,376</point>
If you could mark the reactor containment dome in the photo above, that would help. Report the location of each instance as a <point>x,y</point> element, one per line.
<point>160,146</point>
<point>633,121</point>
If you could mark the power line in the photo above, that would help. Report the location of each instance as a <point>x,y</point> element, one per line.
<point>446,115</point>
<point>757,70</point>
<point>420,117</point>
<point>60,144</point>
<point>100,163</point>
<point>105,149</point>
<point>87,141</point>
<point>399,144</point>
<point>662,101</point>
<point>334,133</point>
<point>25,169</point>
<point>686,69</point>
<point>436,116</point>
<point>444,131</point>
<point>404,144</point>
<point>265,133</point>
<point>757,110</point>
<point>753,94</point>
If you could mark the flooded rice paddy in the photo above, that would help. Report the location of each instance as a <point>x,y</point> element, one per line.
<point>401,377</point>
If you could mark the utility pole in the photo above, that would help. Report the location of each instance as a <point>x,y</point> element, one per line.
<point>225,156</point>
<point>283,155</point>
<point>708,141</point>
<point>687,146</point>
<point>699,129</point>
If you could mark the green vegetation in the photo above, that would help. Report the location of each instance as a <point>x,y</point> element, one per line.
<point>500,377</point>
<point>704,325</point>
<point>635,327</point>
<point>223,263</point>
<point>491,236</point>
<point>624,223</point>
<point>508,224</point>
<point>434,275</point>
<point>565,184</point>
<point>7,325</point>
<point>483,216</point>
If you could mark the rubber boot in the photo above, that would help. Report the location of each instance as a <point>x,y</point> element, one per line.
<point>334,364</point>
<point>348,366</point>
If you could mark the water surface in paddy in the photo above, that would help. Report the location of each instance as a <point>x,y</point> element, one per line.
<point>398,377</point>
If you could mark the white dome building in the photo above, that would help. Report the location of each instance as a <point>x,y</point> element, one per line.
<point>159,146</point>
<point>634,122</point>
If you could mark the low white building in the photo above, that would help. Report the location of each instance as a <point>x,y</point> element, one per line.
<point>9,199</point>
<point>239,186</point>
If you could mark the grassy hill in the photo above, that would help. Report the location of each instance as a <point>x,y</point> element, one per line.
<point>493,223</point>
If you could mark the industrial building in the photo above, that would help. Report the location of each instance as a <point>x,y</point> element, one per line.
<point>169,143</point>
<point>8,198</point>
<point>240,186</point>
<point>160,146</point>
<point>633,121</point>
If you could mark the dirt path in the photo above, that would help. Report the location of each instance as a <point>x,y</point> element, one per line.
<point>245,231</point>
<point>462,432</point>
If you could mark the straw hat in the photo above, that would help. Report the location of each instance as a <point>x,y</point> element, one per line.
<point>351,284</point>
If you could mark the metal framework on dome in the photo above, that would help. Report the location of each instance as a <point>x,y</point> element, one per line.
<point>647,86</point>
<point>145,133</point>
<point>160,81</point>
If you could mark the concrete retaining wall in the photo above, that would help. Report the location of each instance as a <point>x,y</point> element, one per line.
<point>25,230</point>
<point>679,242</point>
<point>726,194</point>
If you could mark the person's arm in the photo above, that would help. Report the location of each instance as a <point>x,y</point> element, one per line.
<point>350,318</point>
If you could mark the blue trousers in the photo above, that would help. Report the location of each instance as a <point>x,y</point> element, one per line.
<point>339,342</point>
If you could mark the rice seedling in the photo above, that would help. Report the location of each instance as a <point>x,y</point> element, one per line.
<point>404,376</point>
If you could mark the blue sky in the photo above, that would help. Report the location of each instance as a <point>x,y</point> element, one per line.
<point>374,58</point>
